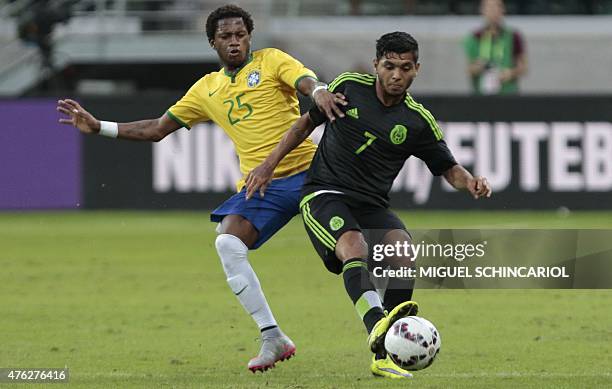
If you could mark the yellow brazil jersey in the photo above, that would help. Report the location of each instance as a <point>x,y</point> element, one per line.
<point>255,107</point>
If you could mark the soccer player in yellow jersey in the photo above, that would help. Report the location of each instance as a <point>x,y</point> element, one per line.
<point>253,98</point>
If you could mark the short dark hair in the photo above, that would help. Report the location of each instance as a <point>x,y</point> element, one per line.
<point>225,12</point>
<point>397,42</point>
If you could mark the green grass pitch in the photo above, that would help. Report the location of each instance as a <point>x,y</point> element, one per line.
<point>139,299</point>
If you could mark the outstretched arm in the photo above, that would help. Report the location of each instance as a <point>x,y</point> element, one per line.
<point>326,101</point>
<point>260,177</point>
<point>152,130</point>
<point>461,179</point>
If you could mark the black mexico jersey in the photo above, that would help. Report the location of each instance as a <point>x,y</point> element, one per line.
<point>362,153</point>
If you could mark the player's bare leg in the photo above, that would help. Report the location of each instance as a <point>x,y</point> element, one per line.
<point>237,234</point>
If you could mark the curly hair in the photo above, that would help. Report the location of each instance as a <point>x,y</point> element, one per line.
<point>397,42</point>
<point>225,12</point>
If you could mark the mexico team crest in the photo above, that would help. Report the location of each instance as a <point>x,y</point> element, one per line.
<point>336,223</point>
<point>253,78</point>
<point>398,134</point>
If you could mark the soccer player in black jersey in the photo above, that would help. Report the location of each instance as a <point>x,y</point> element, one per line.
<point>346,192</point>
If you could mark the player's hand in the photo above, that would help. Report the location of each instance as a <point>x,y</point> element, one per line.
<point>479,187</point>
<point>328,103</point>
<point>78,117</point>
<point>506,75</point>
<point>259,179</point>
<point>477,67</point>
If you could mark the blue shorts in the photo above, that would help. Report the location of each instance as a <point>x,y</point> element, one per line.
<point>269,213</point>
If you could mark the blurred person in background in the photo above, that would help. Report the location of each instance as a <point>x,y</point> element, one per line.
<point>496,53</point>
<point>37,24</point>
<point>253,98</point>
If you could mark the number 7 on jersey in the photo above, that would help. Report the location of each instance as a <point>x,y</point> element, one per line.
<point>371,139</point>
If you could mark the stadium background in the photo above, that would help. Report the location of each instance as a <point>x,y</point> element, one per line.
<point>128,298</point>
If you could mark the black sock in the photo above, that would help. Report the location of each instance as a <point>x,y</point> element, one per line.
<point>361,291</point>
<point>268,328</point>
<point>398,290</point>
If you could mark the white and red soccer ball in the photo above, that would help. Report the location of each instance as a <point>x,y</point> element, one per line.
<point>413,343</point>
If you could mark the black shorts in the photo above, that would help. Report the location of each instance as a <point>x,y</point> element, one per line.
<point>329,215</point>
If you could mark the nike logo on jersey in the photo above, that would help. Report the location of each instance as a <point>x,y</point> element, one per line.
<point>353,112</point>
<point>213,92</point>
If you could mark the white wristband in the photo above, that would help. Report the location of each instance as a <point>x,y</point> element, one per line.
<point>318,87</point>
<point>109,129</point>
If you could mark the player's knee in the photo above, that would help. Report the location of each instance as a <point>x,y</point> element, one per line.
<point>230,247</point>
<point>239,227</point>
<point>397,236</point>
<point>401,258</point>
<point>228,242</point>
<point>351,245</point>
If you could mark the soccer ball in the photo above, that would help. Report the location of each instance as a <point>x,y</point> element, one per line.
<point>413,343</point>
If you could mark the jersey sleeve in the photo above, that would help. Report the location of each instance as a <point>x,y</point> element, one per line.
<point>289,70</point>
<point>190,110</point>
<point>434,151</point>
